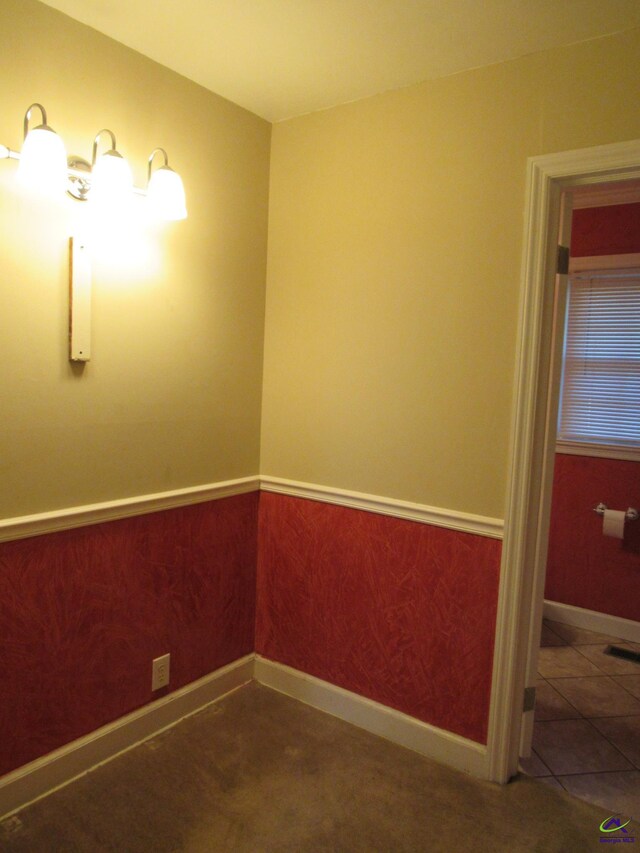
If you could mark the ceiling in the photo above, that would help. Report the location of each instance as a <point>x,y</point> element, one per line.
<point>282,58</point>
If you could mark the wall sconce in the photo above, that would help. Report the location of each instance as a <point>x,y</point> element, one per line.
<point>44,166</point>
<point>43,161</point>
<point>111,178</point>
<point>165,190</point>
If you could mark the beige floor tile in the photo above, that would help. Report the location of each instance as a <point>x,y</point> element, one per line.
<point>598,696</point>
<point>550,705</point>
<point>624,732</point>
<point>607,663</point>
<point>629,682</point>
<point>580,636</point>
<point>564,661</point>
<point>548,637</point>
<point>574,746</point>
<point>534,765</point>
<point>619,793</point>
<point>594,760</point>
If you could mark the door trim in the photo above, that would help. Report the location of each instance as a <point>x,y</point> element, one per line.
<point>527,507</point>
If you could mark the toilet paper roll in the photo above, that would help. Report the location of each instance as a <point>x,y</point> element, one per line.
<point>613,523</point>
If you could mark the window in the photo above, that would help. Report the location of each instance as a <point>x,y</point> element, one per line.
<point>600,394</point>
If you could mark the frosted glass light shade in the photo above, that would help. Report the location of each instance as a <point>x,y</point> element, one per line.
<point>43,161</point>
<point>111,179</point>
<point>165,194</point>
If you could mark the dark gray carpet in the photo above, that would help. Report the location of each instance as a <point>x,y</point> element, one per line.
<point>261,772</point>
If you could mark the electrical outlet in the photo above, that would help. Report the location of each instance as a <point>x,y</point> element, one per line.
<point>160,672</point>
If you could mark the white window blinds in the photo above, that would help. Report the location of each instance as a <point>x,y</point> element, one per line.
<point>600,398</point>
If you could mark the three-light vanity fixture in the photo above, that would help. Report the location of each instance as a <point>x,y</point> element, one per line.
<point>45,166</point>
<point>108,183</point>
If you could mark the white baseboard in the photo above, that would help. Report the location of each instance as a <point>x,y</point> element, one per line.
<point>58,768</point>
<point>590,620</point>
<point>442,746</point>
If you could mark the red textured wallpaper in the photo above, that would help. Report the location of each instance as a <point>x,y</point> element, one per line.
<point>585,568</point>
<point>613,230</point>
<point>83,613</point>
<point>400,612</point>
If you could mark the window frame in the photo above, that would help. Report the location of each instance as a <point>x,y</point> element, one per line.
<point>604,265</point>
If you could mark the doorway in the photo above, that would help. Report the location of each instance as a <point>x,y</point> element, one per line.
<point>533,438</point>
<point>586,733</point>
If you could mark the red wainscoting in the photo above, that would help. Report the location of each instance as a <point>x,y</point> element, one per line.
<point>613,230</point>
<point>84,612</point>
<point>585,568</point>
<point>400,612</point>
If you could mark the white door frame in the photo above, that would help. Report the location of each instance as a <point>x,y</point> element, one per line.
<point>528,494</point>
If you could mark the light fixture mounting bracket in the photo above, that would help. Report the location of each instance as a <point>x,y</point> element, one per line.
<point>79,182</point>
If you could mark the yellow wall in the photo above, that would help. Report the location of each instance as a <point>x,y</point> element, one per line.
<point>171,397</point>
<point>393,271</point>
<point>395,238</point>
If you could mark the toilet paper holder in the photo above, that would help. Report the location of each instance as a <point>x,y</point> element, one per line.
<point>631,514</point>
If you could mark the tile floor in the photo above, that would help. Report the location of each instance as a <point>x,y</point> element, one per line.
<point>586,737</point>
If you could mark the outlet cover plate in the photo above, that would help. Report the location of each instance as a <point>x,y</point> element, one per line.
<point>160,672</point>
